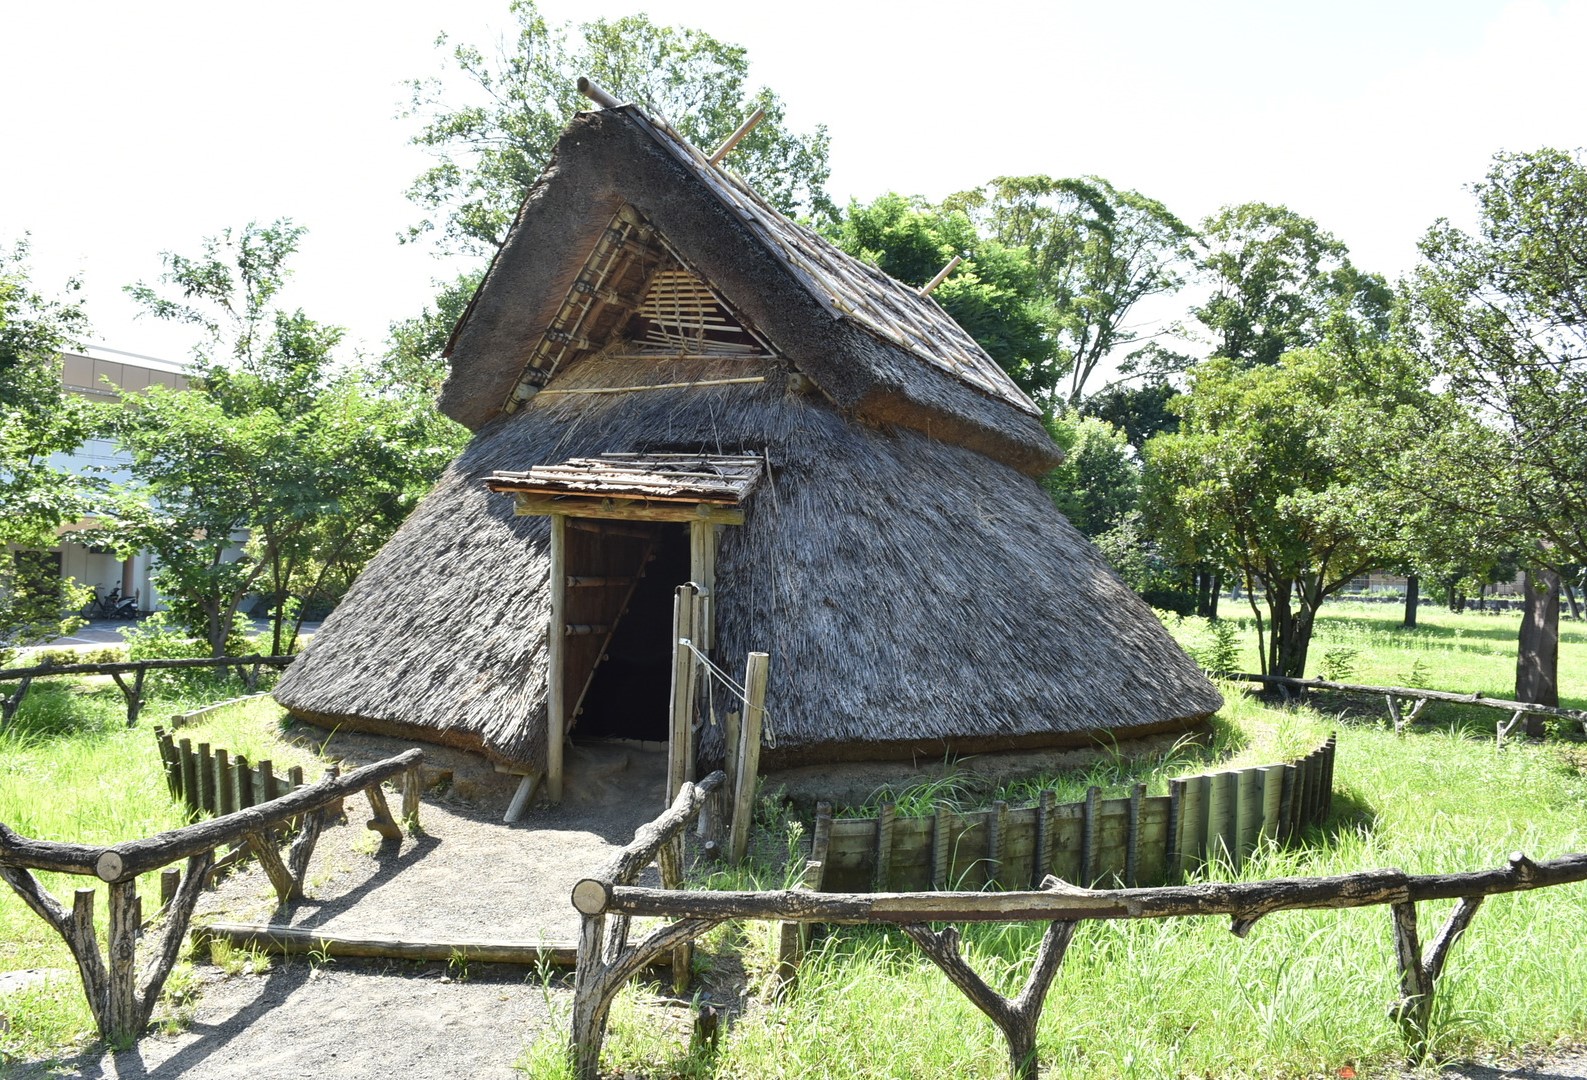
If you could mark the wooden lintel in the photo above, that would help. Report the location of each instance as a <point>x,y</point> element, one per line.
<point>599,582</point>
<point>626,510</point>
<point>585,629</point>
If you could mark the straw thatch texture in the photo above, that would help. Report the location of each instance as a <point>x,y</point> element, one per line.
<point>924,373</point>
<point>915,596</point>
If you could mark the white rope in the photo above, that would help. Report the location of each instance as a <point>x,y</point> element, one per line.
<point>768,733</point>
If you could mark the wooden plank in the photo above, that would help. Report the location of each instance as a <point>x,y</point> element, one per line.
<point>1272,795</point>
<point>748,764</point>
<point>245,783</point>
<point>190,788</point>
<point>1176,823</point>
<point>1194,809</point>
<point>1221,842</point>
<point>265,775</point>
<point>608,509</point>
<point>996,832</point>
<point>556,679</point>
<point>225,793</point>
<point>1287,815</point>
<point>281,940</point>
<point>941,826</point>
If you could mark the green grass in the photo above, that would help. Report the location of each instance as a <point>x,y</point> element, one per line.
<point>1306,994</point>
<point>71,771</point>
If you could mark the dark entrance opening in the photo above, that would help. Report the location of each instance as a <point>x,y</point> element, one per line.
<point>630,694</point>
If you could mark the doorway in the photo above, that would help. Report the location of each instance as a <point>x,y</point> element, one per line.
<point>629,691</point>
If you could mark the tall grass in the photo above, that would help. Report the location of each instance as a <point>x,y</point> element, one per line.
<point>72,771</point>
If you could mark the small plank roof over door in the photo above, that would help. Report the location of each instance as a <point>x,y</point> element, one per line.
<point>579,484</point>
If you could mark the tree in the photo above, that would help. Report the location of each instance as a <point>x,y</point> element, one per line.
<point>1502,314</point>
<point>278,470</point>
<point>1097,484</point>
<point>490,149</point>
<point>37,420</point>
<point>1138,411</point>
<point>1265,476</point>
<point>989,294</point>
<point>1280,282</point>
<point>1098,252</point>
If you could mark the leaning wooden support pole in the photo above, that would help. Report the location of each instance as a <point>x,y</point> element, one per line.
<point>1016,1018</point>
<point>748,762</point>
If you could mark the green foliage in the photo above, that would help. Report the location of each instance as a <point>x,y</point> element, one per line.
<point>1280,282</point>
<point>1501,315</point>
<point>1098,252</point>
<point>1266,476</point>
<point>1099,481</point>
<point>37,419</point>
<point>1338,663</point>
<point>1221,654</point>
<point>990,294</point>
<point>279,472</point>
<point>1138,411</point>
<point>491,146</point>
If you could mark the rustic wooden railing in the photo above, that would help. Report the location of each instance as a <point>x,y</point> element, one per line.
<point>121,1002</point>
<point>606,962</point>
<point>1137,839</point>
<point>248,666</point>
<point>1396,696</point>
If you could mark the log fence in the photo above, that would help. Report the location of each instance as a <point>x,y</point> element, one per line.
<point>213,780</point>
<point>248,666</point>
<point>120,996</point>
<point>607,901</point>
<point>1417,698</point>
<point>1135,839</point>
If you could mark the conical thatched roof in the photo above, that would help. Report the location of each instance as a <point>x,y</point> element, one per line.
<point>913,584</point>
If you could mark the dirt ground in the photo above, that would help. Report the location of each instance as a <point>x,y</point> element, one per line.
<point>468,875</point>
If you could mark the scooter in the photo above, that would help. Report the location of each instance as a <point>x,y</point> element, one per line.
<point>113,605</point>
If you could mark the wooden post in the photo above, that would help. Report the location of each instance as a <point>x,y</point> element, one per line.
<point>410,798</point>
<point>381,821</point>
<point>122,999</point>
<point>1289,816</point>
<point>1132,844</point>
<point>170,880</point>
<point>1247,813</point>
<point>684,668</point>
<point>883,862</point>
<point>996,838</point>
<point>556,678</point>
<point>189,775</point>
<point>1176,828</point>
<point>1041,851</point>
<point>245,797</point>
<point>748,764</point>
<point>265,771</point>
<point>206,778</point>
<point>939,848</point>
<point>225,794</point>
<point>1272,796</point>
<point>702,569</point>
<point>1088,837</point>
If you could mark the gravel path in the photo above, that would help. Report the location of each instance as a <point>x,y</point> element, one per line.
<point>468,875</point>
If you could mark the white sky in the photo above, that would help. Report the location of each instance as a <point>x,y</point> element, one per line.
<point>130,129</point>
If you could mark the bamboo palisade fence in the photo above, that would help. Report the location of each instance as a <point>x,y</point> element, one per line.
<point>1135,839</point>
<point>1396,696</point>
<point>607,902</point>
<point>121,1002</point>
<point>248,666</point>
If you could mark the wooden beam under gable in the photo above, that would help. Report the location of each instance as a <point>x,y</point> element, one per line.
<point>531,505</point>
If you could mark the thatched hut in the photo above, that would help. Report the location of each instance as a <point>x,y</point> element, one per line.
<point>675,383</point>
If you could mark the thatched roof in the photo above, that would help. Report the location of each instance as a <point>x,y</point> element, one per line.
<point>622,195</point>
<point>915,596</point>
<point>653,331</point>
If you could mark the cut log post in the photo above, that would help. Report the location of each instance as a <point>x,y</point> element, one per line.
<point>996,838</point>
<point>170,880</point>
<point>225,794</point>
<point>882,855</point>
<point>1419,972</point>
<point>382,821</point>
<point>1042,844</point>
<point>265,773</point>
<point>121,1003</point>
<point>1175,854</point>
<point>755,672</point>
<point>939,847</point>
<point>1132,839</point>
<point>190,789</point>
<point>1394,714</point>
<point>1088,836</point>
<point>410,798</point>
<point>206,778</point>
<point>245,783</point>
